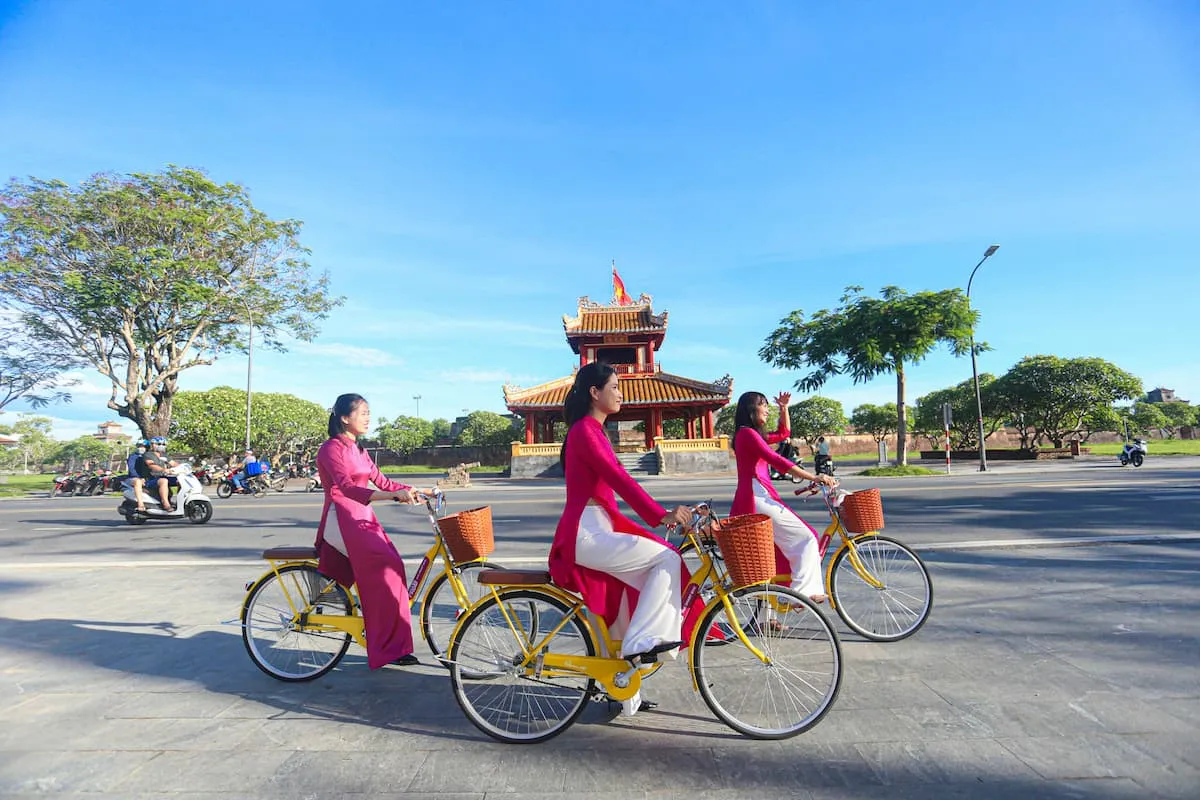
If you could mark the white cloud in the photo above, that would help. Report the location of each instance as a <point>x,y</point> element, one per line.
<point>84,386</point>
<point>471,375</point>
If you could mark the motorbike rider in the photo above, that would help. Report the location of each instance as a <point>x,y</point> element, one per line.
<point>822,456</point>
<point>154,466</point>
<point>135,476</point>
<point>242,474</point>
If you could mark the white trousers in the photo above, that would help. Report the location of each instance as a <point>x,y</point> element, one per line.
<point>796,539</point>
<point>642,564</point>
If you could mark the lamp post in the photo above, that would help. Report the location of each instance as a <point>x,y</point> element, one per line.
<point>249,363</point>
<point>417,397</point>
<point>974,369</point>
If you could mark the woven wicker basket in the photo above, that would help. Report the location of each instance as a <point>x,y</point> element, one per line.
<point>468,534</point>
<point>747,543</point>
<point>862,512</point>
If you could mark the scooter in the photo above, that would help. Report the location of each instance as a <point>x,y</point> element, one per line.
<point>786,450</point>
<point>191,503</point>
<point>824,465</point>
<point>1133,451</point>
<point>314,481</point>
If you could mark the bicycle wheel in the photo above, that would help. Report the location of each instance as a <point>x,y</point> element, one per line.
<point>793,688</point>
<point>896,610</point>
<point>508,701</point>
<point>277,638</point>
<point>440,610</point>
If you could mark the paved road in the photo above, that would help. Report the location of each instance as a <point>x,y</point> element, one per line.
<point>1045,671</point>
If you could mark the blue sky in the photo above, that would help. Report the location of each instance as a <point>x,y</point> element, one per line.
<point>466,171</point>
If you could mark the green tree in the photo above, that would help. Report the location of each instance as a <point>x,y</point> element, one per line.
<point>441,430</point>
<point>964,411</point>
<point>147,275</point>
<point>879,421</point>
<point>213,423</point>
<point>1147,417</point>
<point>404,434</point>
<point>1175,416</point>
<point>866,337</point>
<point>76,452</point>
<point>486,427</point>
<point>1101,419</point>
<point>1053,396</point>
<point>816,416</point>
<point>34,435</point>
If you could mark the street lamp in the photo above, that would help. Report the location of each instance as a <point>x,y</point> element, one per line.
<point>974,369</point>
<point>417,397</point>
<point>249,363</point>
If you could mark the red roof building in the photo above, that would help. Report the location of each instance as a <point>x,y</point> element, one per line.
<point>627,337</point>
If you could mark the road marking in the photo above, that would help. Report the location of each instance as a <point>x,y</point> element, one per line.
<point>56,529</point>
<point>980,544</point>
<point>960,505</point>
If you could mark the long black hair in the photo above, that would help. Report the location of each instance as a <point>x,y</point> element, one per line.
<point>343,407</point>
<point>747,408</point>
<point>578,403</point>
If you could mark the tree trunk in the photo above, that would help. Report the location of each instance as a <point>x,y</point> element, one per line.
<point>901,418</point>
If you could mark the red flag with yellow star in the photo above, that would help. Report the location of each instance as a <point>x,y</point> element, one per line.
<point>620,296</point>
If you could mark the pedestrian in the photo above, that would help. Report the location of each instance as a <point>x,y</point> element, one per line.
<point>796,550</point>
<point>626,575</point>
<point>352,546</point>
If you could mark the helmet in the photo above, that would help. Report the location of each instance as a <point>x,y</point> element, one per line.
<point>143,443</point>
<point>158,440</point>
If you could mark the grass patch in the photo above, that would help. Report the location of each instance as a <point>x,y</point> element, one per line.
<point>897,470</point>
<point>18,485</point>
<point>422,468</point>
<point>1156,447</point>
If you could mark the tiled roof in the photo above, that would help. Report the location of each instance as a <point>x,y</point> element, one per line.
<point>637,390</point>
<point>593,318</point>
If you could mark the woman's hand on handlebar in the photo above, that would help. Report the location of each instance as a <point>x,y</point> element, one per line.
<point>411,496</point>
<point>680,515</point>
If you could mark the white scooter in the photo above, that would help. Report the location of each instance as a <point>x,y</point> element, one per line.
<point>1135,452</point>
<point>191,503</point>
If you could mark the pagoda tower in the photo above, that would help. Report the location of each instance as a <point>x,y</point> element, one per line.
<point>626,334</point>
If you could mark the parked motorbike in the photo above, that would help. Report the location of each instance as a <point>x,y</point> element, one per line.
<point>314,480</point>
<point>67,485</point>
<point>101,483</point>
<point>1134,452</point>
<point>204,474</point>
<point>191,504</point>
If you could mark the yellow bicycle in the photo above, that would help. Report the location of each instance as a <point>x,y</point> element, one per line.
<point>879,586</point>
<point>297,624</point>
<point>527,657</point>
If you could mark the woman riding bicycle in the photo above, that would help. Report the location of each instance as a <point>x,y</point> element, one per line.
<point>625,574</point>
<point>796,549</point>
<point>353,547</point>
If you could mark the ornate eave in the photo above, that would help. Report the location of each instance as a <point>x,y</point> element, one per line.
<point>598,319</point>
<point>638,390</point>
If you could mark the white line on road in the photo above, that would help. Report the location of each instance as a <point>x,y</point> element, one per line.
<point>960,505</point>
<point>981,544</point>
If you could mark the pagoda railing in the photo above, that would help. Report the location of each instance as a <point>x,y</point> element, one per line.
<point>679,445</point>
<point>635,369</point>
<point>540,449</point>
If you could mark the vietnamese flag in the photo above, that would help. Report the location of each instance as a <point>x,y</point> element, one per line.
<point>620,296</point>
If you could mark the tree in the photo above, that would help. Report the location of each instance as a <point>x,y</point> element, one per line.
<point>867,337</point>
<point>441,430</point>
<point>816,416</point>
<point>486,427</point>
<point>83,449</point>
<point>404,434</point>
<point>1053,396</point>
<point>1175,415</point>
<point>964,412</point>
<point>213,422</point>
<point>34,435</point>
<point>1147,417</point>
<point>879,421</point>
<point>26,371</point>
<point>147,275</point>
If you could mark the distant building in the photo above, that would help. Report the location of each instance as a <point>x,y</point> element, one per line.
<point>1161,395</point>
<point>110,432</point>
<point>8,441</point>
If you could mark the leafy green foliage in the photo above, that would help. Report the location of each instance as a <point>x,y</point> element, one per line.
<point>27,371</point>
<point>213,423</point>
<point>1052,396</point>
<point>77,452</point>
<point>405,434</point>
<point>1147,417</point>
<point>816,416</point>
<point>723,424</point>
<point>896,471</point>
<point>1175,416</point>
<point>35,443</point>
<point>964,425</point>
<point>441,430</point>
<point>879,421</point>
<point>144,276</point>
<point>487,427</point>
<point>866,337</point>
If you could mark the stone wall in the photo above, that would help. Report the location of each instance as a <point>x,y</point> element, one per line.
<point>535,467</point>
<point>686,462</point>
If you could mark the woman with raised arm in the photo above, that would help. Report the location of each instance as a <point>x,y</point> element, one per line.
<point>796,550</point>
<point>627,575</point>
<point>351,544</point>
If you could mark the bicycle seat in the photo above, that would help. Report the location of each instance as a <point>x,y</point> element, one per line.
<point>290,553</point>
<point>513,577</point>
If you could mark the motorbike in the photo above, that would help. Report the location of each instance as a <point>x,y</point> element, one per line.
<point>68,485</point>
<point>824,464</point>
<point>204,474</point>
<point>255,485</point>
<point>191,504</point>
<point>1134,452</point>
<point>314,480</point>
<point>100,483</point>
<point>789,452</point>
